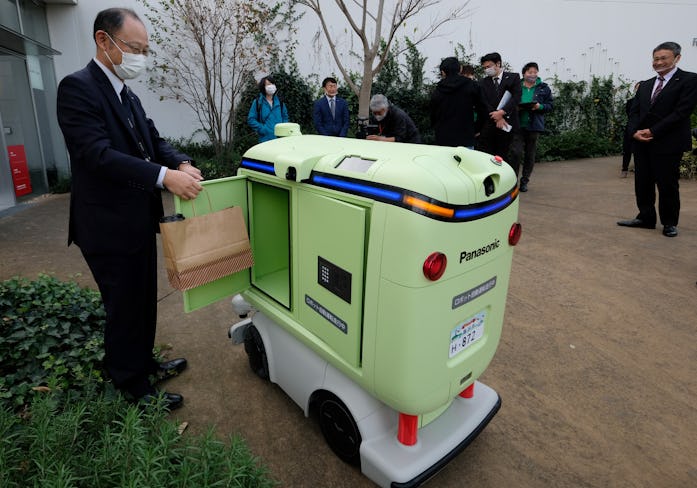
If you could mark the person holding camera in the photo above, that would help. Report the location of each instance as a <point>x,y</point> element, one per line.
<point>390,123</point>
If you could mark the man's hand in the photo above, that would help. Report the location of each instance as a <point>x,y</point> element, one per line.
<point>497,115</point>
<point>182,184</point>
<point>501,124</point>
<point>373,137</point>
<point>190,169</point>
<point>643,135</point>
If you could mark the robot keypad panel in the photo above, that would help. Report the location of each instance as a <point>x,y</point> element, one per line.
<point>356,164</point>
<point>334,279</point>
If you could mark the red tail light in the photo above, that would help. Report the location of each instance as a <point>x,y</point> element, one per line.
<point>434,266</point>
<point>514,234</point>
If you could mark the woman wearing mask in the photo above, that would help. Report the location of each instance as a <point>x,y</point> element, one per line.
<point>267,110</point>
<point>535,102</point>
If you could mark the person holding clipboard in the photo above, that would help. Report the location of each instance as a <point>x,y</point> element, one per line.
<point>535,102</point>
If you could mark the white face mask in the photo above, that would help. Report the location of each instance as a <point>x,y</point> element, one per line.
<point>270,89</point>
<point>531,79</point>
<point>131,64</point>
<point>490,71</point>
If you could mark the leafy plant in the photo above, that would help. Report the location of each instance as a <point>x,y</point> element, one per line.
<point>204,155</point>
<point>688,164</point>
<point>588,119</point>
<point>51,334</point>
<point>100,440</point>
<point>62,185</point>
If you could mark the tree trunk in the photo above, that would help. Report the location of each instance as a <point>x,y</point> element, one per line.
<point>366,87</point>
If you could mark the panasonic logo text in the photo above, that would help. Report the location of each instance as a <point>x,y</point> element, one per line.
<point>475,253</point>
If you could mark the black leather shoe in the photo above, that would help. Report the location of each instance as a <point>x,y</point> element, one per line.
<point>170,401</point>
<point>670,231</point>
<point>170,369</point>
<point>523,187</point>
<point>636,223</point>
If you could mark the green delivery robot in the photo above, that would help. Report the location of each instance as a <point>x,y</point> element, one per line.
<point>378,290</point>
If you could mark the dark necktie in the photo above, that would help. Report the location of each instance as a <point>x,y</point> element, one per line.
<point>331,106</point>
<point>496,84</point>
<point>126,102</point>
<point>658,89</point>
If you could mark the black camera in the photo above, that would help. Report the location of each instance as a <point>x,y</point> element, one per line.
<point>372,129</point>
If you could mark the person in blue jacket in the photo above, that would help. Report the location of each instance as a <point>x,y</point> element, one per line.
<point>535,102</point>
<point>267,110</point>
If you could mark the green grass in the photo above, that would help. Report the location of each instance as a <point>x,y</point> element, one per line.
<point>62,424</point>
<point>102,441</point>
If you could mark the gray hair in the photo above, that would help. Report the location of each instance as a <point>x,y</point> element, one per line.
<point>669,46</point>
<point>378,102</point>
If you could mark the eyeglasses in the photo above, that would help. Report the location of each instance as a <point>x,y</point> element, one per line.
<point>134,49</point>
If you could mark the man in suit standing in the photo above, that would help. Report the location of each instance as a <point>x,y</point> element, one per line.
<point>119,164</point>
<point>497,132</point>
<point>330,113</point>
<point>659,120</point>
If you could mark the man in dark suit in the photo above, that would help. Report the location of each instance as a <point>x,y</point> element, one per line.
<point>659,120</point>
<point>330,113</point>
<point>119,163</point>
<point>497,132</point>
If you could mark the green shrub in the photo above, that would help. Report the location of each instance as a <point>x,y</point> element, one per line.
<point>205,159</point>
<point>574,144</point>
<point>688,165</point>
<point>62,185</point>
<point>51,334</point>
<point>99,440</point>
<point>588,119</point>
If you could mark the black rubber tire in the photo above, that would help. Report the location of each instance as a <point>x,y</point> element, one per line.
<point>256,352</point>
<point>339,429</point>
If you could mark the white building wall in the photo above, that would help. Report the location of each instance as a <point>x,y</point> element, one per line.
<point>573,39</point>
<point>70,29</point>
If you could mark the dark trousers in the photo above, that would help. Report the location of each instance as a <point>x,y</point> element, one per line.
<point>627,143</point>
<point>524,147</point>
<point>497,142</point>
<point>651,171</point>
<point>128,285</point>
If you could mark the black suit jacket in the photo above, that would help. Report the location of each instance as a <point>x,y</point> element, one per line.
<point>114,206</point>
<point>492,97</point>
<point>669,116</point>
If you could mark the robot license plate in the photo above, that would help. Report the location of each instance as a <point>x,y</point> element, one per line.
<point>466,333</point>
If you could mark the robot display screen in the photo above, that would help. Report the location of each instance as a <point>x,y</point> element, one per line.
<point>355,163</point>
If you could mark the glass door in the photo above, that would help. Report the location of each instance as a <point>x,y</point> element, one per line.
<point>22,147</point>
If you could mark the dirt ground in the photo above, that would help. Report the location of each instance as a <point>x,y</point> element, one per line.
<point>597,366</point>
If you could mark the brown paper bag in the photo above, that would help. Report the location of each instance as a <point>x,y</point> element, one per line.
<point>204,248</point>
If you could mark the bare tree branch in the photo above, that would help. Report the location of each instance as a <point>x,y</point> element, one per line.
<point>206,51</point>
<point>376,45</point>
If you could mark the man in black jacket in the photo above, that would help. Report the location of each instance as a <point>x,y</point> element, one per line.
<point>502,122</point>
<point>392,123</point>
<point>119,165</point>
<point>660,123</point>
<point>454,102</point>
